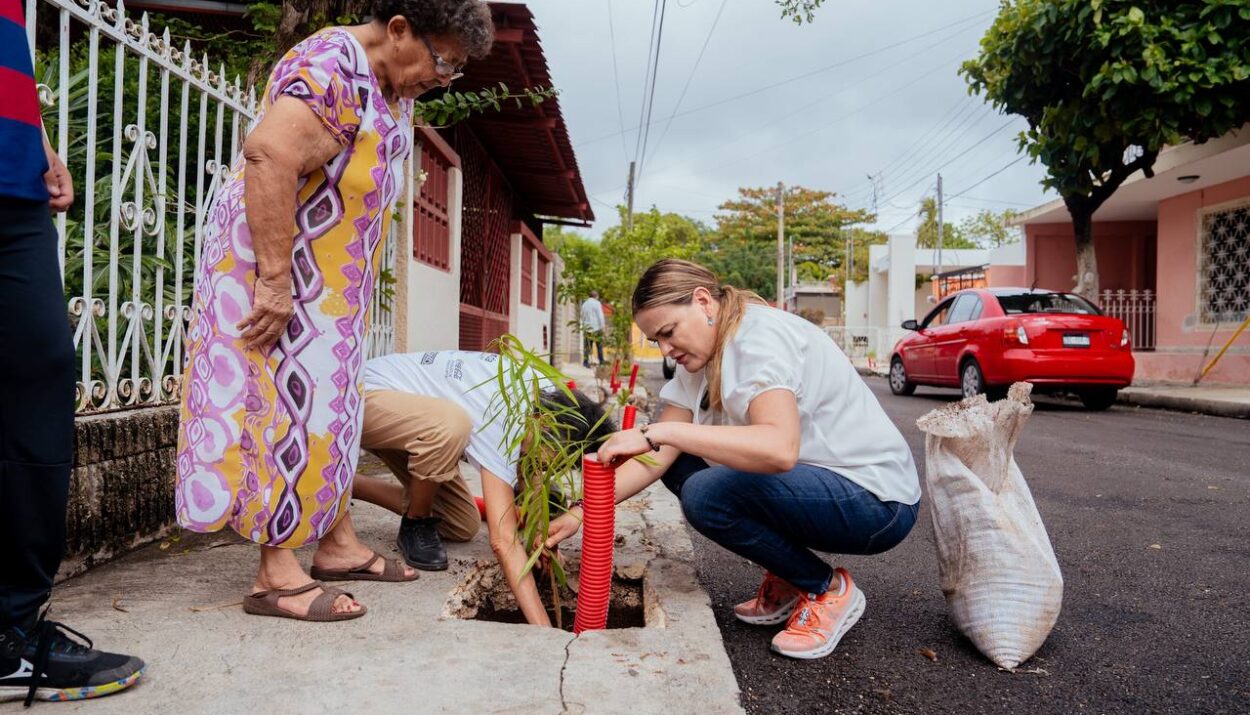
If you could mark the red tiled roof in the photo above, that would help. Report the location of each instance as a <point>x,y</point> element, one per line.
<point>531,145</point>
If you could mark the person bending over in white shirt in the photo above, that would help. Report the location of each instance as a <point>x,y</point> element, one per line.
<point>775,447</point>
<point>423,412</point>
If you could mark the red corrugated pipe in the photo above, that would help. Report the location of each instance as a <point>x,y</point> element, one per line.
<point>598,534</point>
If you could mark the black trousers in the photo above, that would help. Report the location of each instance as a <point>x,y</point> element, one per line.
<point>37,378</point>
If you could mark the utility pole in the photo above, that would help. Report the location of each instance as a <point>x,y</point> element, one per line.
<point>940,267</point>
<point>629,199</point>
<point>781,244</point>
<point>794,278</point>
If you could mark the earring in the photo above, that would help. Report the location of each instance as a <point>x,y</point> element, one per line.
<point>710,321</point>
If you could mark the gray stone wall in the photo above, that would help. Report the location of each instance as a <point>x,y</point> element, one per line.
<point>121,492</point>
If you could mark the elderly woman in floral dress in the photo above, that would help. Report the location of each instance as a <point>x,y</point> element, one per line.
<point>271,409</point>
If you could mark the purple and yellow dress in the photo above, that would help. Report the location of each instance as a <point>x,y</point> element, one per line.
<point>268,440</point>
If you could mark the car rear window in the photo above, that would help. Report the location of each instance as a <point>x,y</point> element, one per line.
<point>1046,303</point>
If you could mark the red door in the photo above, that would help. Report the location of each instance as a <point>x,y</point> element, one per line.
<point>485,245</point>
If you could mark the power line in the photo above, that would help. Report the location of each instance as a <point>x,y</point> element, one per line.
<point>646,78</point>
<point>669,122</point>
<point>822,127</point>
<point>863,80</point>
<point>961,154</point>
<point>616,78</point>
<point>805,75</point>
<point>939,149</point>
<point>655,70</point>
<point>1010,164</point>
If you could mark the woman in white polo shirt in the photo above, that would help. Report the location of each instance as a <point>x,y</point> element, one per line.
<point>774,445</point>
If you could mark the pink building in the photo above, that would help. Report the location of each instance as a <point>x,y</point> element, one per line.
<point>1173,258</point>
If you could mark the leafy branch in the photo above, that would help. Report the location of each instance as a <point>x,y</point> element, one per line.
<point>454,107</point>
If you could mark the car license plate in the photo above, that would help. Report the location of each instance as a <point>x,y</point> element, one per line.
<point>1076,340</point>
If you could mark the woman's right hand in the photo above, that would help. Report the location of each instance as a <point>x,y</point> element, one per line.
<point>272,308</point>
<point>564,526</point>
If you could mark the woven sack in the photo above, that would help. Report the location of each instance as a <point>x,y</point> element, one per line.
<point>998,570</point>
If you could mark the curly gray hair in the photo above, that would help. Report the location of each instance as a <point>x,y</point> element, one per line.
<point>468,20</point>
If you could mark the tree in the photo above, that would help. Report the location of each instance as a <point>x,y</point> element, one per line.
<point>615,263</point>
<point>818,224</point>
<point>927,233</point>
<point>989,230</point>
<point>1105,86</point>
<point>799,11</point>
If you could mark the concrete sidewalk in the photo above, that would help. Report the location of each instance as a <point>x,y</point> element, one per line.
<point>177,605</point>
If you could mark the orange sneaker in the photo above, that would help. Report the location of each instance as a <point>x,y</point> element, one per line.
<point>772,603</point>
<point>819,622</point>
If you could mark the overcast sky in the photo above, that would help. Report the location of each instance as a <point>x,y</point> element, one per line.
<point>881,96</point>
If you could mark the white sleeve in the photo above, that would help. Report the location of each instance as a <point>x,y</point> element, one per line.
<point>765,357</point>
<point>677,391</point>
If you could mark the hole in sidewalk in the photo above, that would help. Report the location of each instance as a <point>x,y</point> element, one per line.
<point>484,596</point>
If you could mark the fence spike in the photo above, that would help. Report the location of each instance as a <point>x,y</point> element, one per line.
<point>120,20</point>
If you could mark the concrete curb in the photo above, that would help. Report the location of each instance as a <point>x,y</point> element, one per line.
<point>1159,399</point>
<point>1184,403</point>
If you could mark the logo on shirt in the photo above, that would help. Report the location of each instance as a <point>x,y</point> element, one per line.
<point>428,358</point>
<point>455,370</point>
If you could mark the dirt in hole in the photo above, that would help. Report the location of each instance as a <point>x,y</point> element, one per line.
<point>484,596</point>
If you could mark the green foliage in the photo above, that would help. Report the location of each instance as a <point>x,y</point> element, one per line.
<point>614,264</point>
<point>746,241</point>
<point>927,233</point>
<point>1106,84</point>
<point>741,262</point>
<point>548,459</point>
<point>799,11</point>
<point>989,229</point>
<point>453,107</point>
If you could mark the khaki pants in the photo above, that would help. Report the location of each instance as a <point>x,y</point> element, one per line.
<point>421,439</point>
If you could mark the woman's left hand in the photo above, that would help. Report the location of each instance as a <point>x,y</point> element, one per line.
<point>623,445</point>
<point>272,308</point>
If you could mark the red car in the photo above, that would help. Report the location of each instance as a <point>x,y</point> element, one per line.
<point>981,340</point>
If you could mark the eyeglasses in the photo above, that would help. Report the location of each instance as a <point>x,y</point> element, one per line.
<point>445,69</point>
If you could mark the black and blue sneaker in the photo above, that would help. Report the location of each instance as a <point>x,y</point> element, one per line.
<point>45,663</point>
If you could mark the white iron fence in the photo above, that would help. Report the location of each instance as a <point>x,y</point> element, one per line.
<point>1136,308</point>
<point>148,131</point>
<point>866,346</point>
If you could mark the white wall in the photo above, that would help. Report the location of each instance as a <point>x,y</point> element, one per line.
<point>878,286</point>
<point>434,294</point>
<point>856,304</point>
<point>527,321</point>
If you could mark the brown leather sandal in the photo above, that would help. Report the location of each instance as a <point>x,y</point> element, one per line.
<point>265,603</point>
<point>393,570</point>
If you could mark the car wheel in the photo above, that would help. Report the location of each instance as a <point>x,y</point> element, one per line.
<point>899,384</point>
<point>1098,400</point>
<point>971,379</point>
<point>669,368</point>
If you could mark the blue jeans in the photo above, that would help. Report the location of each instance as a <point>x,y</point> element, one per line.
<point>775,520</point>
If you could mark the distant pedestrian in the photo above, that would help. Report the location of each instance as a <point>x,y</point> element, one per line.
<point>593,325</point>
<point>38,659</point>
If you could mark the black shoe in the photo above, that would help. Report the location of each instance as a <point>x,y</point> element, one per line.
<point>46,664</point>
<point>420,544</point>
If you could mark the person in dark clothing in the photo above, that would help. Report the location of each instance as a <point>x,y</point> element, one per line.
<point>39,658</point>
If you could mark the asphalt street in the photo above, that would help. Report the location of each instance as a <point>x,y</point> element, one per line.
<point>1149,515</point>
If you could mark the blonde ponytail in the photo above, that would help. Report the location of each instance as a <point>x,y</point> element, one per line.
<point>673,282</point>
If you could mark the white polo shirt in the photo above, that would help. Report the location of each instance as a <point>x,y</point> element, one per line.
<point>842,425</point>
<point>465,378</point>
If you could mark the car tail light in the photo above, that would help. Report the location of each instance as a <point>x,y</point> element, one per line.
<point>1014,334</point>
<point>1125,340</point>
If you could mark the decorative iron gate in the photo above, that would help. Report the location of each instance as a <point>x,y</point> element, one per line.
<point>486,245</point>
